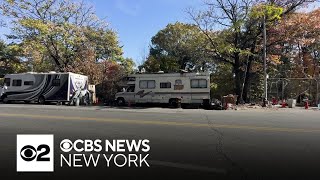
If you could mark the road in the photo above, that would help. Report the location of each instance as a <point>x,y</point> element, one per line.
<point>198,144</point>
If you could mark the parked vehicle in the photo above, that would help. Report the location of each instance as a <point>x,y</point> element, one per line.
<point>1,90</point>
<point>43,87</point>
<point>187,88</point>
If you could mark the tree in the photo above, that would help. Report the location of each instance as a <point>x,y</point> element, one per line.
<point>295,41</point>
<point>221,80</point>
<point>176,47</point>
<point>127,64</point>
<point>293,45</point>
<point>112,73</point>
<point>10,60</point>
<point>234,29</point>
<point>56,32</point>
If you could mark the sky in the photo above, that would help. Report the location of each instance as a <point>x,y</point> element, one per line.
<point>136,21</point>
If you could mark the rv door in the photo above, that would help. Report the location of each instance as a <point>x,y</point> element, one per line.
<point>199,87</point>
<point>129,94</point>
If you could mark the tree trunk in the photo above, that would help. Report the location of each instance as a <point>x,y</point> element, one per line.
<point>247,81</point>
<point>238,73</point>
<point>248,75</point>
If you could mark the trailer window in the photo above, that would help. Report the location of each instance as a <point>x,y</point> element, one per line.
<point>56,82</point>
<point>7,81</point>
<point>165,85</point>
<point>16,82</point>
<point>147,84</point>
<point>28,83</point>
<point>199,83</point>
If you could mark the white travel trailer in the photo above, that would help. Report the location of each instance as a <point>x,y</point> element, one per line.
<point>187,88</point>
<point>2,90</point>
<point>42,87</point>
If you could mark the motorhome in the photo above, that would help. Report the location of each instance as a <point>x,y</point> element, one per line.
<point>187,88</point>
<point>42,87</point>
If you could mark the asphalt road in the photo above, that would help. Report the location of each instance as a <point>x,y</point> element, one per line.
<point>197,144</point>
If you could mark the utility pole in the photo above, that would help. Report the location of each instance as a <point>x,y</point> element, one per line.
<point>265,58</point>
<point>317,95</point>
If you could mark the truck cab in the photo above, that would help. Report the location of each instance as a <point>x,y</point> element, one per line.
<point>127,94</point>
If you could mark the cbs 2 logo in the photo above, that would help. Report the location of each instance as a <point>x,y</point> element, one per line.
<point>29,153</point>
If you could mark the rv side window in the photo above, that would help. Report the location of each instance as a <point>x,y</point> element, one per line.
<point>165,85</point>
<point>147,84</point>
<point>178,82</point>
<point>16,82</point>
<point>56,82</point>
<point>198,83</point>
<point>28,83</point>
<point>7,81</point>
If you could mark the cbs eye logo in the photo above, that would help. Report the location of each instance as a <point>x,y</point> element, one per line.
<point>35,153</point>
<point>66,145</point>
<point>29,153</point>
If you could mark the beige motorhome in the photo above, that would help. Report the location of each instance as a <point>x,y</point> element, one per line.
<point>189,88</point>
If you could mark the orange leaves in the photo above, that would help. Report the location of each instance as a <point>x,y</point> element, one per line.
<point>274,59</point>
<point>296,38</point>
<point>302,28</point>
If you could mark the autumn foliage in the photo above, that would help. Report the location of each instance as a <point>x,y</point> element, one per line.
<point>295,41</point>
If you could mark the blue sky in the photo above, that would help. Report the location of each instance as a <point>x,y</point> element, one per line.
<point>136,21</point>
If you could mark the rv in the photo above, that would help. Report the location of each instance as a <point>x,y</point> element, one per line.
<point>42,87</point>
<point>184,88</point>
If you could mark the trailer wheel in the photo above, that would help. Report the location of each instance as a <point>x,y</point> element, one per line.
<point>121,101</point>
<point>77,102</point>
<point>5,100</point>
<point>41,100</point>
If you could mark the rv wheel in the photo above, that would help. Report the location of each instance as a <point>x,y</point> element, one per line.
<point>173,103</point>
<point>5,100</point>
<point>120,102</point>
<point>41,100</point>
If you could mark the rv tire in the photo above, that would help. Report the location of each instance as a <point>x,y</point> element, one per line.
<point>173,103</point>
<point>41,100</point>
<point>121,102</point>
<point>5,100</point>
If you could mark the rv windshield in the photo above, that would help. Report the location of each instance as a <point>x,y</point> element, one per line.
<point>130,89</point>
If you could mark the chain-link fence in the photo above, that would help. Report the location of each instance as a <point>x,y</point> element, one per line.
<point>294,88</point>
